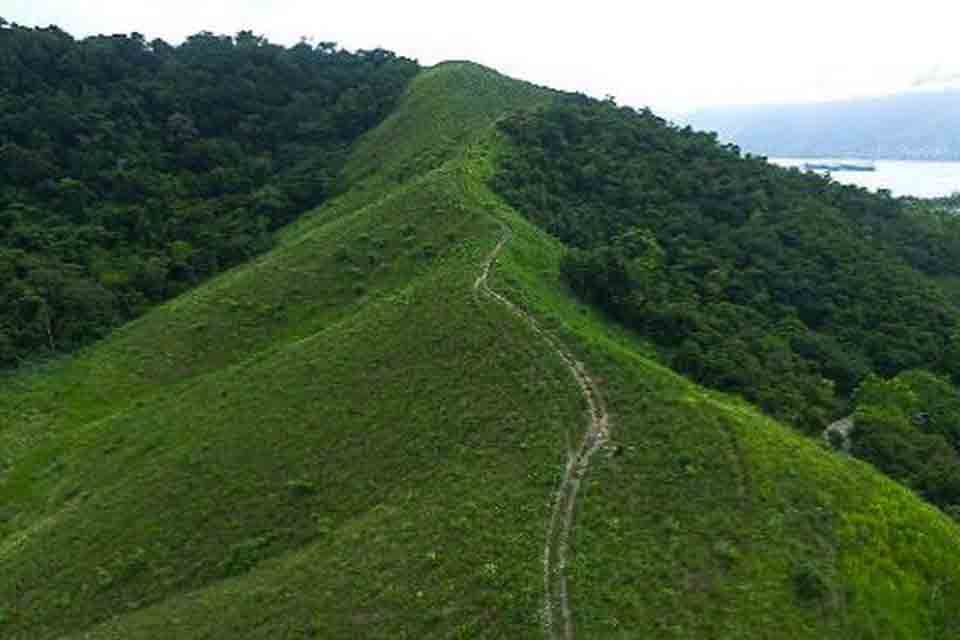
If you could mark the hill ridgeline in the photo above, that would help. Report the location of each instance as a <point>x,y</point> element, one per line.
<point>393,423</point>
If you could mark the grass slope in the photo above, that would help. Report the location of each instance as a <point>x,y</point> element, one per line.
<point>340,439</point>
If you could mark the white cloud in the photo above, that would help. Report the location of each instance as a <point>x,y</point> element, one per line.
<point>673,56</point>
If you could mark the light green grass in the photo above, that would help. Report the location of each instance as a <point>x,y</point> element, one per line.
<point>342,440</point>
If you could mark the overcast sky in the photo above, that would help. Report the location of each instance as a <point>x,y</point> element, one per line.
<point>672,55</point>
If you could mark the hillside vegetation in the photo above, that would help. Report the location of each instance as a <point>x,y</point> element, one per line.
<point>341,438</point>
<point>132,170</point>
<point>909,426</point>
<point>785,287</point>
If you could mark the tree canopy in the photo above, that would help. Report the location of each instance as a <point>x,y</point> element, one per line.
<point>785,287</point>
<point>130,169</point>
<point>909,427</point>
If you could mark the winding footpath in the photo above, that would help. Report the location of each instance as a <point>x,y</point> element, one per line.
<point>558,621</point>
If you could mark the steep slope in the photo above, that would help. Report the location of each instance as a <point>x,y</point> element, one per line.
<point>345,439</point>
<point>707,519</point>
<point>558,621</point>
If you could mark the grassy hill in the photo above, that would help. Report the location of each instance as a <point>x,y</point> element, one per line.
<point>343,438</point>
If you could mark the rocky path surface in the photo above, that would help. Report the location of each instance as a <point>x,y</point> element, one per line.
<point>839,433</point>
<point>558,620</point>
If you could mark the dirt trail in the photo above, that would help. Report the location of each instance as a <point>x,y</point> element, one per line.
<point>558,621</point>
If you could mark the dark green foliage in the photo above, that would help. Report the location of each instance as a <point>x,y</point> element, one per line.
<point>809,583</point>
<point>782,286</point>
<point>131,170</point>
<point>909,427</point>
<point>245,555</point>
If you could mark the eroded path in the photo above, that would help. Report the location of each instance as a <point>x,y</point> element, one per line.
<point>558,621</point>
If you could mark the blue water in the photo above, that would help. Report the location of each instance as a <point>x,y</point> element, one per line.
<point>902,177</point>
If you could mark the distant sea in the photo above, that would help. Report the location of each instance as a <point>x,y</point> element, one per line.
<point>902,177</point>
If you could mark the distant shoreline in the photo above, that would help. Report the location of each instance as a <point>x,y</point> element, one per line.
<point>912,178</point>
<point>788,156</point>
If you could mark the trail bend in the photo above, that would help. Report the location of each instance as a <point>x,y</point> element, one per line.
<point>557,615</point>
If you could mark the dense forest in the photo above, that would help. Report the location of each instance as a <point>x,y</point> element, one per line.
<point>131,170</point>
<point>782,286</point>
<point>909,427</point>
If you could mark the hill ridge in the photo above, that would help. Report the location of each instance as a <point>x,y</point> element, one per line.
<point>558,620</point>
<point>395,477</point>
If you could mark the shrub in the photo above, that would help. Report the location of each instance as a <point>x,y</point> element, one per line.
<point>809,583</point>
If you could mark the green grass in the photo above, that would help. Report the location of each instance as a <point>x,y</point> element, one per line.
<point>342,440</point>
<point>710,517</point>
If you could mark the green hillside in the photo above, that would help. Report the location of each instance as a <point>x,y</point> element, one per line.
<point>347,437</point>
<point>130,171</point>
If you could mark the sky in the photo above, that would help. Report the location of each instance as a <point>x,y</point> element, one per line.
<point>674,56</point>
